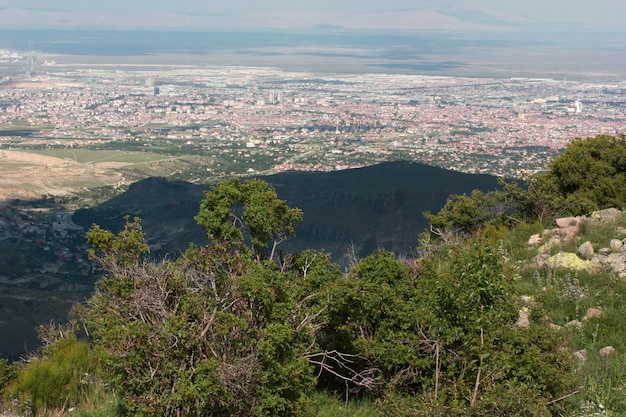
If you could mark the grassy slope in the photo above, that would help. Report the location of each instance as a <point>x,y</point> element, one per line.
<point>564,295</point>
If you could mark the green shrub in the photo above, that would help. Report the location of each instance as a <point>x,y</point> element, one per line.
<point>61,378</point>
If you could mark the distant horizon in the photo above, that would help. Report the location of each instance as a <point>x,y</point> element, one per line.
<point>557,55</point>
<point>449,15</point>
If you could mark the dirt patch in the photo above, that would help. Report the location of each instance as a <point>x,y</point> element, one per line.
<point>26,175</point>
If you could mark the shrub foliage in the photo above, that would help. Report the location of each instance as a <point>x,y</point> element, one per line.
<point>238,328</point>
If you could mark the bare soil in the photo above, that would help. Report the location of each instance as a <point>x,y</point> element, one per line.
<point>26,175</point>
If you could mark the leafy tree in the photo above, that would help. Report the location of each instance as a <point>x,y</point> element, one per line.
<point>234,210</point>
<point>440,335</point>
<point>590,174</point>
<point>467,213</point>
<point>213,333</point>
<point>225,330</point>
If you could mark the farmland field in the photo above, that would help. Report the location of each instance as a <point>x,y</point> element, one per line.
<point>31,174</point>
<point>87,156</point>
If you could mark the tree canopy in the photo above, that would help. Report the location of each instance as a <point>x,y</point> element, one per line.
<point>589,175</point>
<point>236,210</point>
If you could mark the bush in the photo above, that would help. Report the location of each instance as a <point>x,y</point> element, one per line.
<point>61,378</point>
<point>214,333</point>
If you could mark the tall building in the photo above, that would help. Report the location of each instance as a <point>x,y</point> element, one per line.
<point>578,106</point>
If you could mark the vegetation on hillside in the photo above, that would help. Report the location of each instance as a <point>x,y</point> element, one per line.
<point>238,327</point>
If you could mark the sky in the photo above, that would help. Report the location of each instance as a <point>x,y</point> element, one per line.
<point>606,14</point>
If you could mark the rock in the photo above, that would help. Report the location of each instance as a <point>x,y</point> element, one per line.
<point>573,324</point>
<point>616,245</point>
<point>586,251</point>
<point>535,239</point>
<point>593,313</point>
<point>599,263</point>
<point>542,259</point>
<point>609,215</point>
<point>569,261</point>
<point>527,299</point>
<point>616,262</point>
<point>547,247</point>
<point>523,321</point>
<point>604,251</point>
<point>555,327</point>
<point>580,355</point>
<point>566,222</point>
<point>569,227</point>
<point>548,233</point>
<point>620,230</point>
<point>606,351</point>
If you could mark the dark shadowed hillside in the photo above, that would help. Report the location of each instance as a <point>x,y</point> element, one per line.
<point>377,206</point>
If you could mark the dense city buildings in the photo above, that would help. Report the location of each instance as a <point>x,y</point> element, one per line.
<point>263,120</point>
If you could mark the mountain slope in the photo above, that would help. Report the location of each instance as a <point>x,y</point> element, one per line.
<point>377,206</point>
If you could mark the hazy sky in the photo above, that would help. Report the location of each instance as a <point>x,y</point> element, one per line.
<point>601,13</point>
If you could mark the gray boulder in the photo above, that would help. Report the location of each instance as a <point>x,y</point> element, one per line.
<point>586,251</point>
<point>580,355</point>
<point>616,245</point>
<point>606,351</point>
<point>609,215</point>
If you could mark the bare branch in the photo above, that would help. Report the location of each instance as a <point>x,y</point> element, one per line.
<point>340,365</point>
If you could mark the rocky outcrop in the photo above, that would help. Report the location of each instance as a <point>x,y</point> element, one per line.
<point>587,258</point>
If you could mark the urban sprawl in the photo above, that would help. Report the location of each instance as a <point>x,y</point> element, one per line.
<point>264,120</point>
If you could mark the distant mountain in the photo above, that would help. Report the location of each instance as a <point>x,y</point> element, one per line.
<point>471,17</point>
<point>372,207</point>
<point>289,18</point>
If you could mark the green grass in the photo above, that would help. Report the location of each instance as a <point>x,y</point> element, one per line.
<point>327,405</point>
<point>564,295</point>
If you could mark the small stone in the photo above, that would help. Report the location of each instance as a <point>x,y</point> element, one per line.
<point>593,313</point>
<point>573,324</point>
<point>586,251</point>
<point>523,321</point>
<point>554,241</point>
<point>527,299</point>
<point>616,245</point>
<point>569,227</point>
<point>598,263</point>
<point>616,262</point>
<point>555,327</point>
<point>580,355</point>
<point>606,351</point>
<point>535,239</point>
